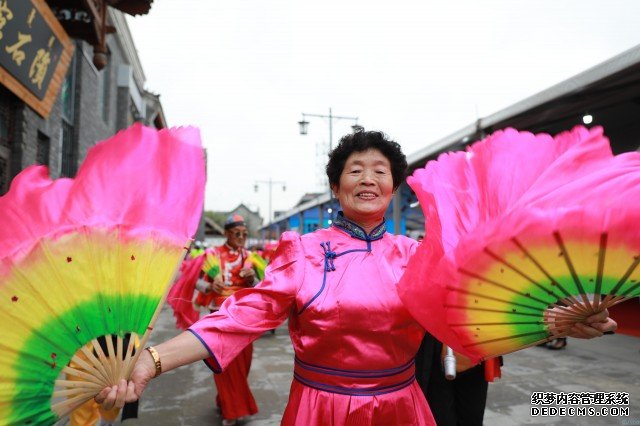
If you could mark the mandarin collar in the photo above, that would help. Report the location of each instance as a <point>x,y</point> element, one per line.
<point>357,231</point>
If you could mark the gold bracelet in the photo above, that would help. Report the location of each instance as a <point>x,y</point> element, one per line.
<point>156,359</point>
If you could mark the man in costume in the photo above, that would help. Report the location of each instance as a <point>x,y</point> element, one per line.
<point>234,397</point>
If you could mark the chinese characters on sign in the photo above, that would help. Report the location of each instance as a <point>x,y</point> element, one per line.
<point>34,52</point>
<point>28,46</point>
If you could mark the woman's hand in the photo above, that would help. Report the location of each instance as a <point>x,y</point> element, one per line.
<point>183,349</point>
<point>594,326</point>
<point>561,325</point>
<point>117,396</point>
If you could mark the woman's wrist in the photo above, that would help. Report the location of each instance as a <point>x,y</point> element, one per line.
<point>181,350</point>
<point>157,362</point>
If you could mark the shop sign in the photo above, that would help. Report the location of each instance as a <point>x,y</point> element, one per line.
<point>35,52</point>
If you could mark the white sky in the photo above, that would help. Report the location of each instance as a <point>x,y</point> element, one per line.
<point>244,71</point>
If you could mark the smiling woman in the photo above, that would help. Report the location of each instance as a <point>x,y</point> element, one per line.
<point>353,338</point>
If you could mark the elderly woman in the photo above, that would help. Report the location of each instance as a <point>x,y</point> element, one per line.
<point>354,341</point>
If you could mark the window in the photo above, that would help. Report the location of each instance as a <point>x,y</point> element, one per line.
<point>310,226</point>
<point>4,175</point>
<point>68,164</point>
<point>68,144</point>
<point>42,153</point>
<point>67,92</point>
<point>7,116</point>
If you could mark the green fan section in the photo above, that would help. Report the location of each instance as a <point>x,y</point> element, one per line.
<point>100,316</point>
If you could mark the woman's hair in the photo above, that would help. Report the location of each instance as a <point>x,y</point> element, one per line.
<point>361,141</point>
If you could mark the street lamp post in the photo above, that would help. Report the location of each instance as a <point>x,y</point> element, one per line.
<point>270,183</point>
<point>304,124</point>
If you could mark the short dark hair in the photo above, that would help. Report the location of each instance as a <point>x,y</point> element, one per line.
<point>361,141</point>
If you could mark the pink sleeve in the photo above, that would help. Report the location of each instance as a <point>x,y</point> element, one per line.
<point>250,312</point>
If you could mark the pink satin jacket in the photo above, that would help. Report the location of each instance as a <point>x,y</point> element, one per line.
<point>354,341</point>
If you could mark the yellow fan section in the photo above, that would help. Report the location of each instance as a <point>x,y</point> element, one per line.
<point>69,290</point>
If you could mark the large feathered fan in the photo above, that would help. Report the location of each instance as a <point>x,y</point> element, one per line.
<point>525,236</point>
<point>85,264</point>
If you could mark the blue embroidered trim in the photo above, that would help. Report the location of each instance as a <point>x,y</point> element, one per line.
<point>329,255</point>
<point>355,392</point>
<point>357,231</point>
<point>355,373</point>
<point>216,367</point>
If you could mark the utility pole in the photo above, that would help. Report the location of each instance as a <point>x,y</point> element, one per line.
<point>270,184</point>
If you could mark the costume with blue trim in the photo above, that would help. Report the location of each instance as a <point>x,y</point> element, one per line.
<point>354,341</point>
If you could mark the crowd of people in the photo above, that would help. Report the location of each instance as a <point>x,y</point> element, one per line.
<point>355,343</point>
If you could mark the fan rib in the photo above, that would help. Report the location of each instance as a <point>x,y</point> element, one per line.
<point>611,297</point>
<point>92,357</point>
<point>496,299</point>
<point>572,270</point>
<point>65,383</point>
<point>65,407</point>
<point>569,298</point>
<point>111,357</point>
<point>71,392</point>
<point>526,277</point>
<point>471,308</point>
<point>89,369</point>
<point>629,290</point>
<point>129,354</point>
<point>502,339</point>
<point>502,286</point>
<point>549,291</point>
<point>624,295</point>
<point>104,360</point>
<point>81,374</point>
<point>475,324</point>
<point>601,257</point>
<point>569,319</point>
<point>119,357</point>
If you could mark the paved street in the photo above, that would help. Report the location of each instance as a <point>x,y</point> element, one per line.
<point>185,396</point>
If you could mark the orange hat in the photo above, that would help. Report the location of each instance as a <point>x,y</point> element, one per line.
<point>233,221</point>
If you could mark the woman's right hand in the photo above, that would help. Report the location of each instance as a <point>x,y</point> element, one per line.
<point>123,392</point>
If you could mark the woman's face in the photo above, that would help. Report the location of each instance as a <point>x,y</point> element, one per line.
<point>366,187</point>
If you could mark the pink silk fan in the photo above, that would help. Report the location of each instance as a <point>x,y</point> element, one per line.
<point>525,236</point>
